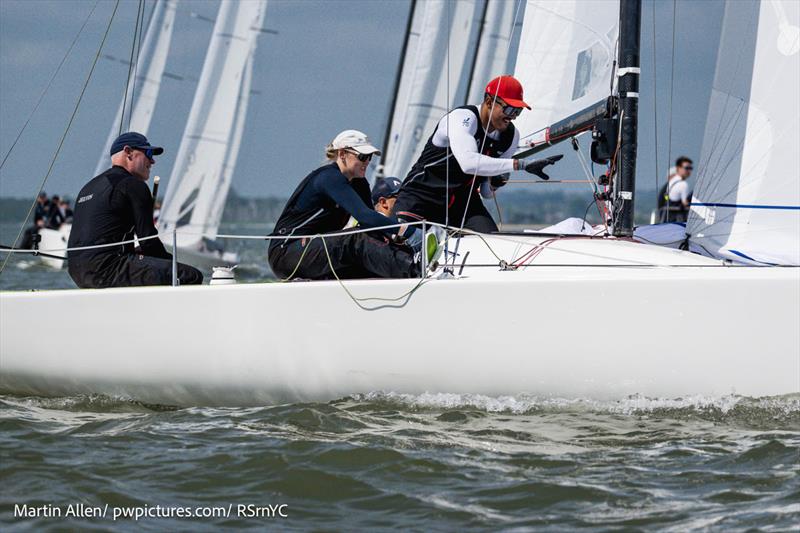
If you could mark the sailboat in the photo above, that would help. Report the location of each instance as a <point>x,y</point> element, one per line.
<point>201,177</point>
<point>549,314</point>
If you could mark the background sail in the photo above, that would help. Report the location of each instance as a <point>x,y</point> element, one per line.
<point>423,96</point>
<point>143,88</point>
<point>746,203</point>
<point>493,58</point>
<point>203,166</point>
<point>565,59</point>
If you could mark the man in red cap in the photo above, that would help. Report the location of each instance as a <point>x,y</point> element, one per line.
<point>468,146</point>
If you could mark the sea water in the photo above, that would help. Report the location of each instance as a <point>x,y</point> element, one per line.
<point>388,461</point>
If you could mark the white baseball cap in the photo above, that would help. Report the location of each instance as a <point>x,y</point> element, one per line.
<point>355,140</point>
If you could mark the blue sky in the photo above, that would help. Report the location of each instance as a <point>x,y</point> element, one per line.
<point>331,67</point>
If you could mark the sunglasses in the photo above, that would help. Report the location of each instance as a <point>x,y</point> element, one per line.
<point>361,157</point>
<point>687,167</point>
<point>511,111</point>
<point>508,110</point>
<point>148,153</point>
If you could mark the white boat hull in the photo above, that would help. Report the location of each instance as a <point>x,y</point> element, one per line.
<point>591,330</point>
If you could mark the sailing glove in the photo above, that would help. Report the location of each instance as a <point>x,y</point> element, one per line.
<point>499,181</point>
<point>536,166</point>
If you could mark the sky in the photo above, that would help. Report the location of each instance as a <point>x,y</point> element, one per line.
<point>330,67</point>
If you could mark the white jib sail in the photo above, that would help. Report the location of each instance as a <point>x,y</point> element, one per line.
<point>427,90</point>
<point>746,203</point>
<point>565,60</point>
<point>197,186</point>
<point>493,58</point>
<point>142,90</point>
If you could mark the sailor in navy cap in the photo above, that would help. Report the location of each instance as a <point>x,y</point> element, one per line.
<point>384,194</point>
<point>112,208</point>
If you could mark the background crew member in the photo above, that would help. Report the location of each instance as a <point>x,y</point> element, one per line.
<point>323,202</point>
<point>675,194</point>
<point>472,153</point>
<point>113,207</point>
<point>384,194</point>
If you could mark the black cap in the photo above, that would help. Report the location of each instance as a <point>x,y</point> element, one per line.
<point>385,188</point>
<point>134,140</point>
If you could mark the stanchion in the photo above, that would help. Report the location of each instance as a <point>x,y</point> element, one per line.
<point>424,250</point>
<point>174,257</point>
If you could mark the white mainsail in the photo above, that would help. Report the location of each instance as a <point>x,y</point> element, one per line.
<point>492,57</point>
<point>565,59</point>
<point>746,203</point>
<point>143,88</point>
<point>200,180</point>
<point>428,89</point>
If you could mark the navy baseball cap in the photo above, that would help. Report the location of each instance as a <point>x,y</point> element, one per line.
<point>385,188</point>
<point>134,140</point>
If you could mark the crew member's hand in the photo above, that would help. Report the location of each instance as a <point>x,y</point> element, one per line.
<point>499,181</point>
<point>403,232</point>
<point>537,165</point>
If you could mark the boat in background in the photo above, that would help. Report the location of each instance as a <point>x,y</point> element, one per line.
<point>201,178</point>
<point>54,239</point>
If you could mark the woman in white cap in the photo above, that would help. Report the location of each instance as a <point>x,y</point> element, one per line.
<point>323,203</point>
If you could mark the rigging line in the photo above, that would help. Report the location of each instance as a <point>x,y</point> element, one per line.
<point>64,136</point>
<point>359,300</point>
<point>499,212</point>
<point>655,100</point>
<point>136,64</point>
<point>130,70</point>
<point>483,142</point>
<point>447,151</point>
<point>672,80</point>
<point>49,83</point>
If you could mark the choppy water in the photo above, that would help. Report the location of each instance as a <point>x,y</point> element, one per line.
<point>431,462</point>
<point>385,461</point>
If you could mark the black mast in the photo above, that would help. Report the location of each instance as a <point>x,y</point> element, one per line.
<point>628,88</point>
<point>397,79</point>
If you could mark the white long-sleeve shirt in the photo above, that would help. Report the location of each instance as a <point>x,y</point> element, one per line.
<point>457,129</point>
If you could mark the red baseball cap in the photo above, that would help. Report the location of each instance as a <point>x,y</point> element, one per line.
<point>509,89</point>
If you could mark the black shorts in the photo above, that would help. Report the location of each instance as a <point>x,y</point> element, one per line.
<point>131,270</point>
